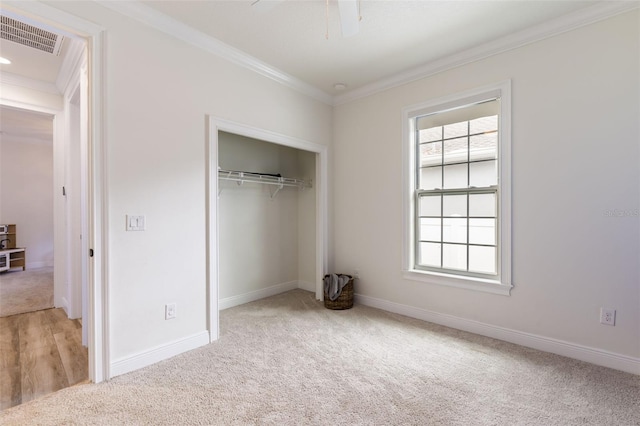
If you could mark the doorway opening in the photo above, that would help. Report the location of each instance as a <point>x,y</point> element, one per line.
<point>44,204</point>
<point>79,185</point>
<point>276,230</point>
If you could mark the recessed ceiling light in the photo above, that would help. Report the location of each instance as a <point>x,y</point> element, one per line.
<point>339,86</point>
<point>4,61</point>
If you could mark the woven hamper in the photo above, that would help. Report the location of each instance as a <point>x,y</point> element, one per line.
<point>345,300</point>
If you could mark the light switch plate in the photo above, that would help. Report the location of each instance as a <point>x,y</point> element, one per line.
<point>135,223</point>
<point>169,311</point>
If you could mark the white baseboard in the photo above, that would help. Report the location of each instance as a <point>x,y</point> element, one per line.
<point>230,302</point>
<point>157,354</point>
<point>546,344</point>
<point>306,285</point>
<point>36,265</point>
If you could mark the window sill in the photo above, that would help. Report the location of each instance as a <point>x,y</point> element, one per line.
<point>457,281</point>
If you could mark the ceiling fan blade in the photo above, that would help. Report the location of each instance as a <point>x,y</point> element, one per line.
<point>349,17</point>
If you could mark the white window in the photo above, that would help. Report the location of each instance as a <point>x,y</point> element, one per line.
<point>457,203</point>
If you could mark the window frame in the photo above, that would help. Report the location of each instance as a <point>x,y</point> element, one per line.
<point>496,284</point>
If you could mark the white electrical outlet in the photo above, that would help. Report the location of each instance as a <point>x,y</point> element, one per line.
<point>607,316</point>
<point>356,273</point>
<point>169,311</point>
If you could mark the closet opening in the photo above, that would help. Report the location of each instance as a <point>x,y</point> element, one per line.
<point>267,215</point>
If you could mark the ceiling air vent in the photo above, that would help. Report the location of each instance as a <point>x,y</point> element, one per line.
<point>30,36</point>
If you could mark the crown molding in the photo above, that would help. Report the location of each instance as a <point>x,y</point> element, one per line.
<point>10,79</point>
<point>590,15</point>
<point>70,65</point>
<point>146,15</point>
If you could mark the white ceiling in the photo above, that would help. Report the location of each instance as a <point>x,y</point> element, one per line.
<point>394,36</point>
<point>31,63</point>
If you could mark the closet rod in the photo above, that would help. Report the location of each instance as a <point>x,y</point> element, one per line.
<point>242,177</point>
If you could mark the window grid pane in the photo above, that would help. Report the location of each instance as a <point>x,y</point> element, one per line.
<point>456,150</point>
<point>454,205</point>
<point>454,256</point>
<point>431,254</point>
<point>482,205</point>
<point>456,176</point>
<point>482,259</point>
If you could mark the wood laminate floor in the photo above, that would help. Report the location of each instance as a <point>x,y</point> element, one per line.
<point>40,352</point>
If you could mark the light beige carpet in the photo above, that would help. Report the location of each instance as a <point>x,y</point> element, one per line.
<point>286,360</point>
<point>26,291</point>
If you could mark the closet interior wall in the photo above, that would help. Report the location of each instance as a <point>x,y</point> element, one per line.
<point>266,244</point>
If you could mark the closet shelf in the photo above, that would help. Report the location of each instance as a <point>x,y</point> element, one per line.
<point>266,179</point>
